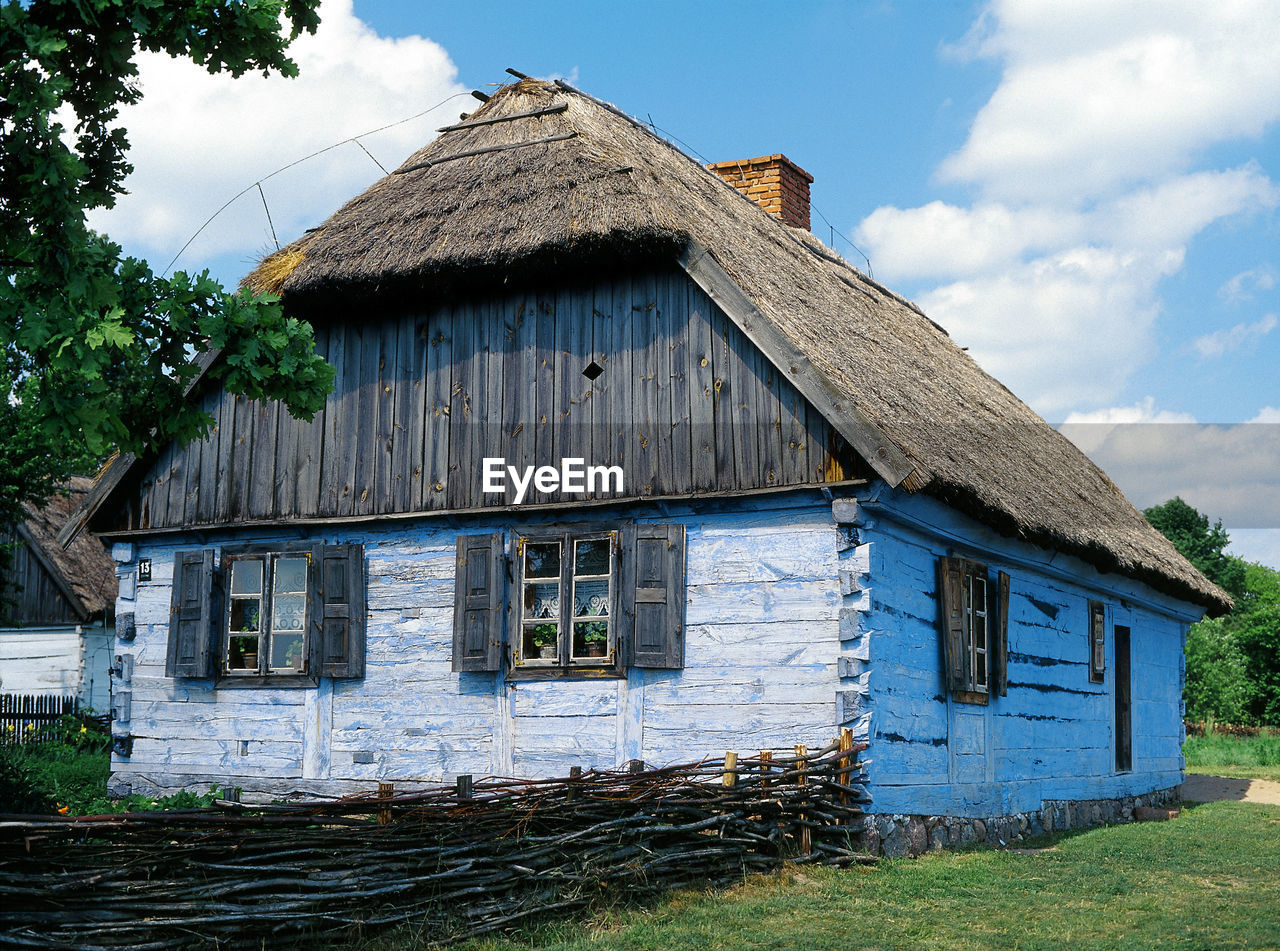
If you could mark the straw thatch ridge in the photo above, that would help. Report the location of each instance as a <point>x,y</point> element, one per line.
<point>499,202</point>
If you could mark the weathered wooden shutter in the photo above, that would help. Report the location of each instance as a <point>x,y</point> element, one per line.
<point>337,610</point>
<point>653,595</point>
<point>953,621</point>
<point>1097,642</point>
<point>1000,683</point>
<point>191,616</point>
<point>479,591</point>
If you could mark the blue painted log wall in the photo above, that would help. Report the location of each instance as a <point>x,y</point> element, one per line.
<point>1053,735</point>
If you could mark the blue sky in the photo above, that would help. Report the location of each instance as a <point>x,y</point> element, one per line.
<point>1084,194</point>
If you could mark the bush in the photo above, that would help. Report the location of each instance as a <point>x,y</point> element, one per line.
<point>21,790</point>
<point>1217,686</point>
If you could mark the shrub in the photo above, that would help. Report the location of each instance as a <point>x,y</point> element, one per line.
<point>1217,685</point>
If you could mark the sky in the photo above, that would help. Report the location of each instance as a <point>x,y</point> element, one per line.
<point>1086,195</point>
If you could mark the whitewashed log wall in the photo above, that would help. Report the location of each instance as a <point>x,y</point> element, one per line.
<point>761,671</point>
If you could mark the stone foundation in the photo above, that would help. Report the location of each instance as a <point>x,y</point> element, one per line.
<point>894,836</point>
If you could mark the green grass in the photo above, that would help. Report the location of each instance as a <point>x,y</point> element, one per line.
<point>1246,758</point>
<point>1206,880</point>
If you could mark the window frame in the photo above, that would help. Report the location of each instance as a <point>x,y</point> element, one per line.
<point>1097,642</point>
<point>981,670</point>
<point>266,631</point>
<point>565,662</point>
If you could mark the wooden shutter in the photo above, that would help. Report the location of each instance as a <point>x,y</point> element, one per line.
<point>479,592</point>
<point>953,623</point>
<point>191,616</point>
<point>338,610</point>
<point>1000,681</point>
<point>653,595</point>
<point>1097,642</point>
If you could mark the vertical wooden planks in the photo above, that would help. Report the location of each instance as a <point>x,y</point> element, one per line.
<point>702,392</point>
<point>384,478</point>
<point>675,472</point>
<point>724,403</point>
<point>519,381</point>
<point>366,440</point>
<point>545,414</point>
<point>794,436</point>
<point>262,468</point>
<point>603,413</point>
<point>492,444</point>
<point>242,458</point>
<point>623,382</point>
<point>335,480</point>
<point>644,455</point>
<point>470,369</point>
<point>207,484</point>
<point>436,434</point>
<point>409,390</point>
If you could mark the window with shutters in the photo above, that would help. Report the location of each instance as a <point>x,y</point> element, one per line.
<point>589,599</point>
<point>974,614</point>
<point>268,616</point>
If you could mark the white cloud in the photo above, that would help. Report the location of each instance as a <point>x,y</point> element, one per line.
<point>198,139</point>
<point>1227,472</point>
<point>1097,94</point>
<point>1242,287</point>
<point>1063,330</point>
<point>1268,414</point>
<point>1083,202</point>
<point>1224,341</point>
<point>1261,545</point>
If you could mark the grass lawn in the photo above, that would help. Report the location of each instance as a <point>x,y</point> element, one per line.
<point>1210,879</point>
<point>1220,755</point>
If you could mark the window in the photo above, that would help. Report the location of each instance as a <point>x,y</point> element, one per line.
<point>566,605</point>
<point>266,614</point>
<point>283,616</point>
<point>1097,642</point>
<point>590,600</point>
<point>974,629</point>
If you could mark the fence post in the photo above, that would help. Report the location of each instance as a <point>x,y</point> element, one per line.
<point>730,777</point>
<point>802,781</point>
<point>846,744</point>
<point>766,767</point>
<point>464,785</point>
<point>575,773</point>
<point>385,791</point>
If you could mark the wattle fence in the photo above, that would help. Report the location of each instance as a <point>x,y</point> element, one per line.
<point>456,861</point>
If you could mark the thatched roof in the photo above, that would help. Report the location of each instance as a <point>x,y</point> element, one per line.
<point>545,175</point>
<point>83,570</point>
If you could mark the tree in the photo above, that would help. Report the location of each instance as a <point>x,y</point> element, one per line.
<point>1201,544</point>
<point>1233,663</point>
<point>96,351</point>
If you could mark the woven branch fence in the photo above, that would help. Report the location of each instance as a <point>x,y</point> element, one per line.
<point>457,861</point>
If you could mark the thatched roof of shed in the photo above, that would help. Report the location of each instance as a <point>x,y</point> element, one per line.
<point>84,569</point>
<point>544,175</point>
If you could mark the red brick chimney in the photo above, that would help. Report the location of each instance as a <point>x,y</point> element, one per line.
<point>774,182</point>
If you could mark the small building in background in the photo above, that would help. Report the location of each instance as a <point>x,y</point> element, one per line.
<point>57,608</point>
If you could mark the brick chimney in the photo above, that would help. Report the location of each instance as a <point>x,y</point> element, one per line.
<point>774,182</point>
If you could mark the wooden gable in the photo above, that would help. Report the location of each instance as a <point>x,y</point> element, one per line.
<point>644,371</point>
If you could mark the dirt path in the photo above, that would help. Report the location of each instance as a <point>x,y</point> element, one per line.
<point>1199,788</point>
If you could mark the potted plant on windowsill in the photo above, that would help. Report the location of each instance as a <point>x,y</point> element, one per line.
<point>244,652</point>
<point>544,642</point>
<point>595,638</point>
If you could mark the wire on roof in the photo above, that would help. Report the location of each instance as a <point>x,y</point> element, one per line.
<point>270,223</point>
<point>355,138</point>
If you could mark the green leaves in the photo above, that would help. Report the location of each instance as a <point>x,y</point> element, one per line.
<point>96,352</point>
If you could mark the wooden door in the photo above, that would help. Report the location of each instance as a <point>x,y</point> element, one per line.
<point>1124,718</point>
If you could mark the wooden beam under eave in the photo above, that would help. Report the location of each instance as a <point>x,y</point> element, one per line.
<point>880,452</point>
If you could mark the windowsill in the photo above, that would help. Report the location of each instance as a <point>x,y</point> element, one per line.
<point>564,673</point>
<point>234,681</point>
<point>970,696</point>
